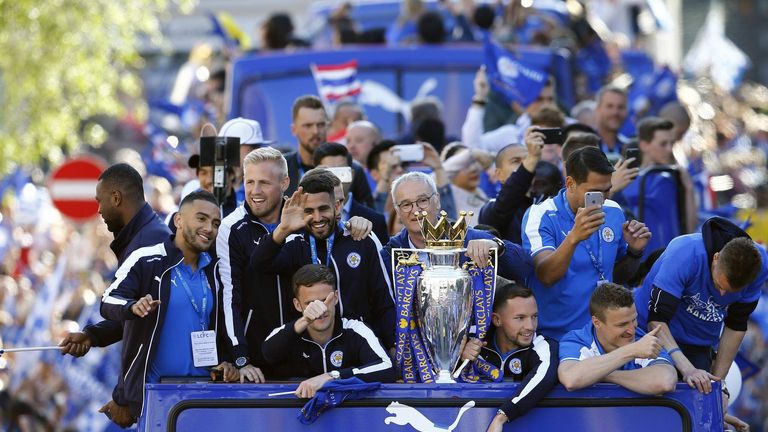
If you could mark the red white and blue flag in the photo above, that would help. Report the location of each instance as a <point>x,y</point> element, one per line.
<point>337,81</point>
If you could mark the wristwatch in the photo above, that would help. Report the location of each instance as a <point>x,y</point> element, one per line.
<point>334,374</point>
<point>240,362</point>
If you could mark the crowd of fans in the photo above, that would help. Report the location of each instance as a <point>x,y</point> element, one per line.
<point>712,146</point>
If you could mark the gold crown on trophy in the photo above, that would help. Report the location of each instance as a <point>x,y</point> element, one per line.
<point>443,235</point>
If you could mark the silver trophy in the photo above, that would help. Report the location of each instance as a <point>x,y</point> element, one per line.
<point>443,301</point>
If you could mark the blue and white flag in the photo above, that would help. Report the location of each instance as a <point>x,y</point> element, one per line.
<point>334,392</point>
<point>648,94</point>
<point>337,81</point>
<point>592,60</point>
<point>713,54</point>
<point>515,78</point>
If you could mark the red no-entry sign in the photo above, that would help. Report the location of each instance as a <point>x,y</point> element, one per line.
<point>73,187</point>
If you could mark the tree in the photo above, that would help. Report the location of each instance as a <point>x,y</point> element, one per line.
<point>65,61</point>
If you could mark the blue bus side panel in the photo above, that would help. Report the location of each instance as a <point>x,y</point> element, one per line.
<point>211,407</point>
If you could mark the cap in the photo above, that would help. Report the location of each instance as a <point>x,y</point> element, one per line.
<point>249,131</point>
<point>194,161</point>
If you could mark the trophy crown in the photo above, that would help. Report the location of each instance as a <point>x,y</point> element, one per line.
<point>443,235</point>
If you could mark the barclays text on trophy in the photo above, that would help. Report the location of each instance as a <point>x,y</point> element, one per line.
<point>439,295</point>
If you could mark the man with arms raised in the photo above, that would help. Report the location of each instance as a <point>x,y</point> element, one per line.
<point>612,348</point>
<point>321,344</point>
<point>349,250</point>
<point>513,347</point>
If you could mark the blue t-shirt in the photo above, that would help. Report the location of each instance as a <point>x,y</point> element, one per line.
<point>683,271</point>
<point>173,356</point>
<point>564,306</point>
<point>660,212</point>
<point>582,344</point>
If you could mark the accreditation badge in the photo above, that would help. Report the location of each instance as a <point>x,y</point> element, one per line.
<point>204,352</point>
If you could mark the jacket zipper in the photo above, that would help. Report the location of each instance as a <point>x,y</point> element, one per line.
<point>132,362</point>
<point>338,286</point>
<point>279,291</point>
<point>154,330</point>
<point>323,347</point>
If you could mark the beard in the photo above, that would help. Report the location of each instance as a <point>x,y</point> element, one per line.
<point>194,241</point>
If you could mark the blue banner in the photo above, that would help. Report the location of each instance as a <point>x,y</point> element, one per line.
<point>484,287</point>
<point>512,76</point>
<point>411,355</point>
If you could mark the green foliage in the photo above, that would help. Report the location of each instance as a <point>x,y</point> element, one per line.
<point>64,61</point>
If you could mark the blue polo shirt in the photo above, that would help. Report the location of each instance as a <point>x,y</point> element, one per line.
<point>564,306</point>
<point>683,271</point>
<point>582,344</point>
<point>173,356</point>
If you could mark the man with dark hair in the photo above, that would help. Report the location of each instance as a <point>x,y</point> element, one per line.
<point>334,155</point>
<point>168,302</point>
<point>576,141</point>
<point>699,295</point>
<point>569,258</point>
<point>610,113</point>
<point>612,348</point>
<point>547,181</point>
<point>656,139</point>
<point>254,301</point>
<point>321,344</point>
<point>431,28</point>
<point>309,126</point>
<point>516,351</point>
<point>120,196</point>
<point>515,169</point>
<point>662,191</point>
<point>362,281</point>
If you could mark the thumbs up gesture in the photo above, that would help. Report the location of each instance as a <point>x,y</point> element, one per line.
<point>318,308</point>
<point>648,347</point>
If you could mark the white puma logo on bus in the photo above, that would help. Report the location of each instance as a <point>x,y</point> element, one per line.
<point>405,415</point>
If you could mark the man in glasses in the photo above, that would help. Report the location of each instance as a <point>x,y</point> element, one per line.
<point>416,192</point>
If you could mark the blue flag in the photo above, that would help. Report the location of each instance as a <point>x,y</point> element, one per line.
<point>516,78</point>
<point>649,92</point>
<point>593,61</point>
<point>332,394</point>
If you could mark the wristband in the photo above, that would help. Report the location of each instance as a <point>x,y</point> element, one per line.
<point>726,392</point>
<point>505,415</point>
<point>673,350</point>
<point>633,254</point>
<point>478,102</point>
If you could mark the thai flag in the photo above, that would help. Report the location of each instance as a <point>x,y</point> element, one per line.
<point>337,81</point>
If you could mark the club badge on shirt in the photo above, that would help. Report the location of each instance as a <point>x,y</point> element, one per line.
<point>353,259</point>
<point>516,366</point>
<point>607,234</point>
<point>336,358</point>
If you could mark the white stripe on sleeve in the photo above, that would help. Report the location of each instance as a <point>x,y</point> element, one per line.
<point>373,342</point>
<point>122,272</point>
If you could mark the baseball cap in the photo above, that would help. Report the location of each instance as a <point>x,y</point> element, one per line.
<point>249,131</point>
